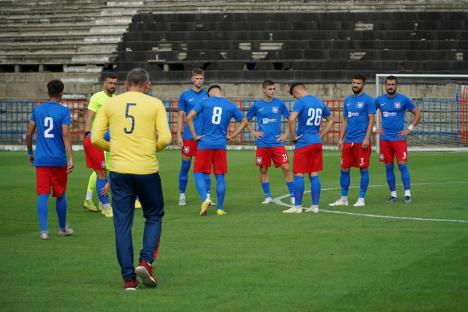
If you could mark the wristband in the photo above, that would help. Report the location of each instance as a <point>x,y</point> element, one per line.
<point>411,127</point>
<point>374,129</point>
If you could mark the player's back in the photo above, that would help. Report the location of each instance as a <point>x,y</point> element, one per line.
<point>134,118</point>
<point>216,113</point>
<point>310,111</point>
<point>50,148</point>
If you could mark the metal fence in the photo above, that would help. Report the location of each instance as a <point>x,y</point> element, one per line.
<point>444,121</point>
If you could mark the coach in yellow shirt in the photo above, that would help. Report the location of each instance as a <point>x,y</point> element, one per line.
<point>138,129</point>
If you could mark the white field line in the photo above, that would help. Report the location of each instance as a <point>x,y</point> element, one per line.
<point>277,200</point>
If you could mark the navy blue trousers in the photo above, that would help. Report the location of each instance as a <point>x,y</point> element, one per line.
<point>125,188</point>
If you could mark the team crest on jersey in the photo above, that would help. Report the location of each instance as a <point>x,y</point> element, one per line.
<point>186,149</point>
<point>381,157</point>
<point>360,104</point>
<point>275,109</point>
<point>259,160</point>
<point>397,105</point>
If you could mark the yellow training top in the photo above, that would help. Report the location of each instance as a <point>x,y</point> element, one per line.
<point>95,103</point>
<point>138,128</point>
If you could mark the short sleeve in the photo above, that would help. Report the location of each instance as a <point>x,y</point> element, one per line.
<point>93,103</point>
<point>325,112</point>
<point>252,112</point>
<point>66,117</point>
<point>33,115</point>
<point>198,107</point>
<point>345,110</point>
<point>370,106</point>
<point>284,110</point>
<point>409,104</point>
<point>298,106</point>
<point>182,105</point>
<point>237,114</point>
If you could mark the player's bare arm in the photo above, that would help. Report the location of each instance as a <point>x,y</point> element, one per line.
<point>89,120</point>
<point>191,126</point>
<point>180,127</point>
<point>328,125</point>
<point>244,122</point>
<point>342,133</point>
<point>292,127</point>
<point>417,117</point>
<point>29,133</point>
<point>67,140</point>
<point>370,126</point>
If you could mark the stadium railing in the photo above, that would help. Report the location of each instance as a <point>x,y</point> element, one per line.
<point>444,121</point>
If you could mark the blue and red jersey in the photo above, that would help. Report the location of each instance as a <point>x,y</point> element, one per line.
<point>50,148</point>
<point>215,113</point>
<point>311,110</point>
<point>357,110</point>
<point>393,114</point>
<point>187,101</point>
<point>268,116</point>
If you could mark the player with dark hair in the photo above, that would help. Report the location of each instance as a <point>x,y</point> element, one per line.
<point>95,158</point>
<point>215,114</point>
<point>270,139</point>
<point>139,129</point>
<point>393,133</point>
<point>187,101</point>
<point>356,129</point>
<point>309,112</point>
<point>53,159</point>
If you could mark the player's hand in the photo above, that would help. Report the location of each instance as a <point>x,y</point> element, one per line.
<point>282,137</point>
<point>198,137</point>
<point>31,159</point>
<point>340,145</point>
<point>296,138</point>
<point>229,137</point>
<point>70,166</point>
<point>378,131</point>
<point>180,141</point>
<point>365,144</point>
<point>257,134</point>
<point>403,133</point>
<point>105,190</point>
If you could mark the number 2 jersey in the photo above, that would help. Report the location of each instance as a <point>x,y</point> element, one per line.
<point>311,110</point>
<point>215,114</point>
<point>393,111</point>
<point>50,149</point>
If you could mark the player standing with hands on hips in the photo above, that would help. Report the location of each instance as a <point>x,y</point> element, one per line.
<point>139,129</point>
<point>393,107</point>
<point>54,158</point>
<point>358,121</point>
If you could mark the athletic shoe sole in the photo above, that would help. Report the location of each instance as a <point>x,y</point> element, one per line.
<point>145,277</point>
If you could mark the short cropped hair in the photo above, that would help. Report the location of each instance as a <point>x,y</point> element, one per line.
<point>214,87</point>
<point>391,77</point>
<point>55,88</point>
<point>359,77</point>
<point>137,77</point>
<point>198,71</point>
<point>112,76</point>
<point>294,85</point>
<point>267,83</point>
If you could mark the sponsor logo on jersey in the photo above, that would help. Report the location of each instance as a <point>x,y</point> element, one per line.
<point>268,120</point>
<point>353,114</point>
<point>274,109</point>
<point>389,114</point>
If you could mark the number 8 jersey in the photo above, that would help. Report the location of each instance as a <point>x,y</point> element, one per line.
<point>215,113</point>
<point>311,110</point>
<point>50,149</point>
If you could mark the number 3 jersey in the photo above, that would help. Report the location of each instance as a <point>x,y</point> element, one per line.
<point>215,113</point>
<point>268,116</point>
<point>50,149</point>
<point>393,111</point>
<point>311,110</point>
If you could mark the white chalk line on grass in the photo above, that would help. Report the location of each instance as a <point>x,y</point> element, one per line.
<point>277,200</point>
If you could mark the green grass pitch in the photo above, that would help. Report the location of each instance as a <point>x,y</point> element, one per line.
<point>254,258</point>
